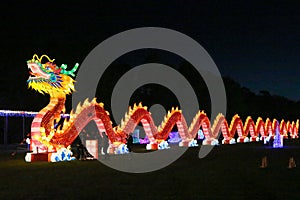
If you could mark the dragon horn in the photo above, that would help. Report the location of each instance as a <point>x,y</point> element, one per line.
<point>71,72</point>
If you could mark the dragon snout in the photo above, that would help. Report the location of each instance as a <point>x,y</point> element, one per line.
<point>36,72</point>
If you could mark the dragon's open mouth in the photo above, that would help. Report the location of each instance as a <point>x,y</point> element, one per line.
<point>31,74</point>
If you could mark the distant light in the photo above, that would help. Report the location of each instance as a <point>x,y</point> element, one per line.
<point>12,113</point>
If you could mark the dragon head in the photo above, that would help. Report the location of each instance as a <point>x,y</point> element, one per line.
<point>49,78</point>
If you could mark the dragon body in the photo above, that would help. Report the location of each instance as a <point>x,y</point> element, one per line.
<point>48,78</point>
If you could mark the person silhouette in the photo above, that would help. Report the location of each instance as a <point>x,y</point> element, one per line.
<point>104,144</point>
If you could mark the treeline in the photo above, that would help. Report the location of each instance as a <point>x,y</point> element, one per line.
<point>244,102</point>
<point>240,100</point>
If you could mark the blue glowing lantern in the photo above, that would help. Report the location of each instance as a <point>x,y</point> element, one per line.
<point>278,139</point>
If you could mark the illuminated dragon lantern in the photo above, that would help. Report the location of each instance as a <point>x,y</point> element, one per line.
<point>46,136</point>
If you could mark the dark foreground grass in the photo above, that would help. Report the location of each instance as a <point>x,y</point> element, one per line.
<point>228,172</point>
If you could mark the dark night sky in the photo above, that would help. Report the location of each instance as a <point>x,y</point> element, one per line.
<point>255,43</point>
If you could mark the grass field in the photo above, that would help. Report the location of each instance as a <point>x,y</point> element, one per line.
<point>228,172</point>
